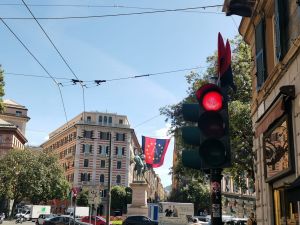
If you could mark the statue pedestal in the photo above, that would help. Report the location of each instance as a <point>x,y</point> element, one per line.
<point>139,199</point>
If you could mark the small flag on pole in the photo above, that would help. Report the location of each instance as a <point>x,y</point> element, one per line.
<point>154,150</point>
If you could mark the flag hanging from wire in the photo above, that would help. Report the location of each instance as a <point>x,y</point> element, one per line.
<point>224,63</point>
<point>154,150</point>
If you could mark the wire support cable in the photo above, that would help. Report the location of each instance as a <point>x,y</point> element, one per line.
<point>72,82</point>
<point>59,53</point>
<point>114,15</point>
<point>36,59</point>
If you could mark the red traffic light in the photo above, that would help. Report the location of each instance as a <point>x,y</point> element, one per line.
<point>210,97</point>
<point>212,101</point>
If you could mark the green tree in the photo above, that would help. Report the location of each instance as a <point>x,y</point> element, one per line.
<point>194,192</point>
<point>239,112</point>
<point>118,198</point>
<point>1,89</point>
<point>82,199</point>
<point>34,176</point>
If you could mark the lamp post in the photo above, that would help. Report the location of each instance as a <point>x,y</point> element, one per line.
<point>109,182</point>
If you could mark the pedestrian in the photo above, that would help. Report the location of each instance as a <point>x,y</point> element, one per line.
<point>251,220</point>
<point>168,211</point>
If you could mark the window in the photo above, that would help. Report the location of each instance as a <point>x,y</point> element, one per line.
<point>104,135</point>
<point>88,119</point>
<point>102,164</point>
<point>277,155</point>
<point>88,134</point>
<point>120,137</point>
<point>120,121</point>
<point>103,193</point>
<point>120,151</point>
<point>119,164</point>
<point>100,119</point>
<point>87,148</point>
<point>118,179</point>
<point>261,73</point>
<point>86,163</point>
<point>281,28</point>
<point>85,177</point>
<point>102,178</point>
<point>105,119</point>
<point>18,113</point>
<point>110,120</point>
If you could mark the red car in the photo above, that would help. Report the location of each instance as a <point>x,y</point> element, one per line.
<point>99,220</point>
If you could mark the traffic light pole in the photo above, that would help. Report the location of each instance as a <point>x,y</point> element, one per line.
<point>215,196</point>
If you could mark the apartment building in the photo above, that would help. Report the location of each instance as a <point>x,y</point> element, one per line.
<point>237,201</point>
<point>273,33</point>
<point>156,191</point>
<point>83,147</point>
<point>12,126</point>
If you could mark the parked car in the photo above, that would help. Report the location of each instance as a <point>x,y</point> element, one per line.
<point>42,217</point>
<point>99,220</point>
<point>139,220</point>
<point>63,220</point>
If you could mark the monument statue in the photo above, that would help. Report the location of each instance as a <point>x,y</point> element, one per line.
<point>140,167</point>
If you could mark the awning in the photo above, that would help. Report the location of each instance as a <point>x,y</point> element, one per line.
<point>293,191</point>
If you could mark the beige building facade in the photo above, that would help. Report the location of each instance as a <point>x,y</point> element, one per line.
<point>83,146</point>
<point>273,33</point>
<point>12,126</point>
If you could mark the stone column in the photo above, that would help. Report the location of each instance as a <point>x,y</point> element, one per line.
<point>139,199</point>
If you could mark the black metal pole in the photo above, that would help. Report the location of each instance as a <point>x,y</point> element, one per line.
<point>109,182</point>
<point>215,196</point>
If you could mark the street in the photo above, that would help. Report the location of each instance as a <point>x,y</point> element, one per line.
<point>12,222</point>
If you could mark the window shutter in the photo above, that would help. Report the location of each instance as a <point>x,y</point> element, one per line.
<point>281,28</point>
<point>101,135</point>
<point>107,137</point>
<point>123,151</point>
<point>260,54</point>
<point>124,137</point>
<point>81,177</point>
<point>99,149</point>
<point>116,151</point>
<point>107,150</point>
<point>83,147</point>
<point>91,148</point>
<point>89,177</point>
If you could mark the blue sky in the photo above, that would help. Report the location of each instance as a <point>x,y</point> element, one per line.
<point>104,49</point>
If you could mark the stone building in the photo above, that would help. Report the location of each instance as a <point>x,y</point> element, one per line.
<point>12,126</point>
<point>273,33</point>
<point>83,147</point>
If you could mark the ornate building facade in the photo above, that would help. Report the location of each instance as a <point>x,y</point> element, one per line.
<point>273,33</point>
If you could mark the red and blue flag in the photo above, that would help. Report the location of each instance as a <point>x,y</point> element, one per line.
<point>224,63</point>
<point>154,150</point>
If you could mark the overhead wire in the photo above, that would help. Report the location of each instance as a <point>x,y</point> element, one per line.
<point>98,82</point>
<point>101,6</point>
<point>146,121</point>
<point>115,15</point>
<point>59,53</point>
<point>43,67</point>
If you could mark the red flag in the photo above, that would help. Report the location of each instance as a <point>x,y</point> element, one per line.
<point>224,64</point>
<point>154,150</point>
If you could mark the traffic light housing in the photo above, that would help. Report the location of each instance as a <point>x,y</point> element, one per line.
<point>210,139</point>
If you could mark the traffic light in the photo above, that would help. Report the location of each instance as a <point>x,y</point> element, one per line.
<point>210,139</point>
